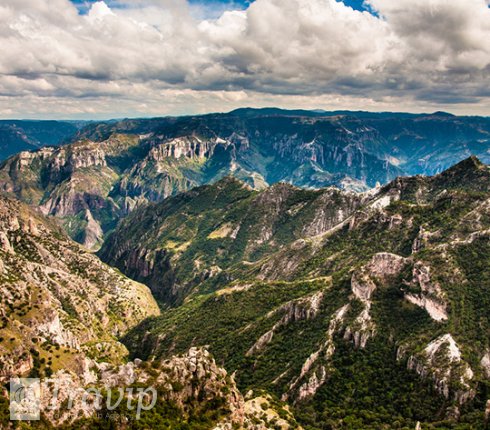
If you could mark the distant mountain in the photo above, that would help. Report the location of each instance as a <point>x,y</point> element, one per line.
<point>115,166</point>
<point>362,311</point>
<point>25,135</point>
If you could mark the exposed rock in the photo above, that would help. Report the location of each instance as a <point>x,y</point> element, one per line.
<point>187,147</point>
<point>261,342</point>
<point>316,380</point>
<point>331,209</point>
<point>485,364</point>
<point>325,352</point>
<point>395,221</point>
<point>93,231</point>
<point>5,243</point>
<point>16,363</point>
<point>420,241</point>
<point>431,296</point>
<point>441,360</point>
<point>54,331</point>
<point>261,413</point>
<point>385,199</point>
<point>362,329</point>
<point>188,381</point>
<point>302,309</point>
<point>381,268</point>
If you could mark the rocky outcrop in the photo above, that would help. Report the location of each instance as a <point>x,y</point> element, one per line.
<point>5,243</point>
<point>302,309</point>
<point>192,382</point>
<point>421,240</point>
<point>441,361</point>
<point>331,209</point>
<point>93,231</point>
<point>485,364</point>
<point>383,199</point>
<point>191,147</point>
<point>52,330</point>
<point>431,297</point>
<point>314,370</point>
<point>382,268</point>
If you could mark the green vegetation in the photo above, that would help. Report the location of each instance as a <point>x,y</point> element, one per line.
<point>365,388</point>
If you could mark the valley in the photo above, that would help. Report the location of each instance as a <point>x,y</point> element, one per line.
<point>262,269</point>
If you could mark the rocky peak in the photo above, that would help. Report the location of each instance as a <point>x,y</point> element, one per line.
<point>442,361</point>
<point>190,147</point>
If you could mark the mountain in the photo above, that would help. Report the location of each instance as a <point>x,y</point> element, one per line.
<point>111,168</point>
<point>63,312</point>
<point>361,311</point>
<point>192,238</point>
<point>25,135</point>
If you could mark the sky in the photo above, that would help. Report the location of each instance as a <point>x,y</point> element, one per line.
<point>86,59</point>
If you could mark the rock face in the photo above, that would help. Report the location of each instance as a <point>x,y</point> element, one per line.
<point>298,310</point>
<point>380,270</point>
<point>485,364</point>
<point>431,296</point>
<point>453,370</point>
<point>314,371</point>
<point>59,302</point>
<point>191,382</point>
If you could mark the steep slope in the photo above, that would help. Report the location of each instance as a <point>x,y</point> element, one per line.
<point>378,322</point>
<point>62,312</point>
<point>193,238</point>
<point>60,304</point>
<point>113,167</point>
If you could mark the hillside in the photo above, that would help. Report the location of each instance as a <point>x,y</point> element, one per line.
<point>113,167</point>
<point>55,294</point>
<point>377,319</point>
<point>63,312</point>
<point>198,237</point>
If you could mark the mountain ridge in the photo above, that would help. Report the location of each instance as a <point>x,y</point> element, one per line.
<point>115,166</point>
<point>392,278</point>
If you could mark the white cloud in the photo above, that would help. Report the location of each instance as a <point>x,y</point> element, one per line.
<point>158,54</point>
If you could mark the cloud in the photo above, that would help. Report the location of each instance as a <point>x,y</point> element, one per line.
<point>411,54</point>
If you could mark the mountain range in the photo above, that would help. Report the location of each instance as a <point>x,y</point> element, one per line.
<point>263,269</point>
<point>112,167</point>
<point>25,135</point>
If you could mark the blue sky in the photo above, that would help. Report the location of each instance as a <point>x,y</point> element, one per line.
<point>355,4</point>
<point>218,4</point>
